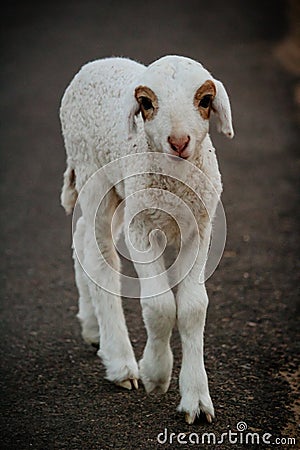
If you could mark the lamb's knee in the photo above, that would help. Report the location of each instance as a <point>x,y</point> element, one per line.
<point>159,313</point>
<point>191,313</point>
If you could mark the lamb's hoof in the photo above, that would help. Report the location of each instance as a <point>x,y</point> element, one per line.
<point>129,384</point>
<point>160,387</point>
<point>209,418</point>
<point>156,377</point>
<point>190,418</point>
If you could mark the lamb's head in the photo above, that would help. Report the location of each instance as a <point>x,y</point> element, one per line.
<point>176,96</point>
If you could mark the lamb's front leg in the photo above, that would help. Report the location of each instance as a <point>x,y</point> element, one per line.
<point>115,348</point>
<point>104,288</point>
<point>97,254</point>
<point>192,302</point>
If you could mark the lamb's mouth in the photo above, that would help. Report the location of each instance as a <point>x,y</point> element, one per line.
<point>178,157</point>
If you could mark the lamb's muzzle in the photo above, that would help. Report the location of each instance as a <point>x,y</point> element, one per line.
<point>179,145</point>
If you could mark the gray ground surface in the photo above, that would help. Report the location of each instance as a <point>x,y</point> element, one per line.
<point>53,394</point>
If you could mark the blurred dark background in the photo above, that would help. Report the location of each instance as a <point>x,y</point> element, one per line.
<point>53,392</point>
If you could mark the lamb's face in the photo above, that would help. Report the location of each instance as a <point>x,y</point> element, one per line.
<point>175,97</point>
<point>175,119</point>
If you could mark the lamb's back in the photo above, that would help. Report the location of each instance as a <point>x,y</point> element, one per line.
<point>92,110</point>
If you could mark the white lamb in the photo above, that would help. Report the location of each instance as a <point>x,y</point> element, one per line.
<point>101,123</point>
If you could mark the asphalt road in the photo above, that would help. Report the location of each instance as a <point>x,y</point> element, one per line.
<point>53,394</point>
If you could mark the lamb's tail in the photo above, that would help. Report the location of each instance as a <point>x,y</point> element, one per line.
<point>69,194</point>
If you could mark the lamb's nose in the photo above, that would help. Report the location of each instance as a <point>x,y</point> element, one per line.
<point>179,144</point>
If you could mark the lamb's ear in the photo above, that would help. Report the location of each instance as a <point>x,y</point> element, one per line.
<point>132,108</point>
<point>221,106</point>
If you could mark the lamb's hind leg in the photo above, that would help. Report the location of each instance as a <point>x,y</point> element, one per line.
<point>159,314</point>
<point>86,313</point>
<point>103,267</point>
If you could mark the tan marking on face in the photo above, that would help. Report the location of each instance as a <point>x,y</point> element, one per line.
<point>207,89</point>
<point>148,102</point>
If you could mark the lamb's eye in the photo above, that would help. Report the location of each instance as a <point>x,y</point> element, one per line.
<point>146,103</point>
<point>205,101</point>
